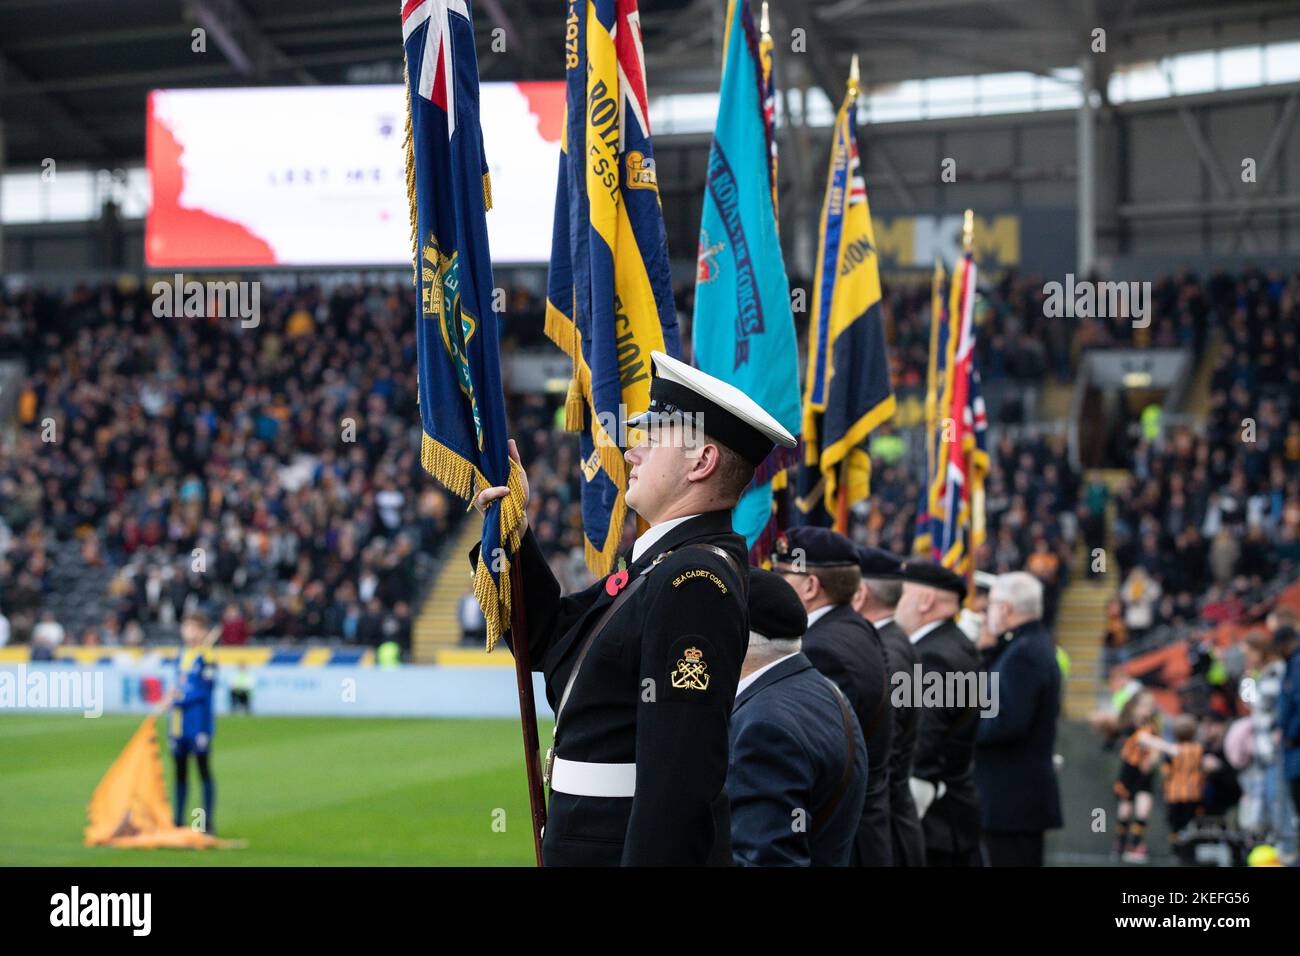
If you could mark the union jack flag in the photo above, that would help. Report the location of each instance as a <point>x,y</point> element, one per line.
<point>958,526</point>
<point>437,79</point>
<point>857,184</point>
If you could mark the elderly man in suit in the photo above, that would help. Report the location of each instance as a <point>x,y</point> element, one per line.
<point>822,567</point>
<point>942,783</point>
<point>797,777</point>
<point>1019,800</point>
<point>876,599</point>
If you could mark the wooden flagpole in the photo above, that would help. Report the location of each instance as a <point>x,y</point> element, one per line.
<point>527,707</point>
<point>842,500</point>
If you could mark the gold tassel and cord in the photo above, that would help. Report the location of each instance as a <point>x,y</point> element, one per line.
<point>560,329</point>
<point>464,480</point>
<point>409,149</point>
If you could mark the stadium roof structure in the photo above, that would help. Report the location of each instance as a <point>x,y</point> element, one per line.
<point>74,73</point>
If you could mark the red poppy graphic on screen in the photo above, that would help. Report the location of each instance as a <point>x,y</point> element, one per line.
<point>175,236</point>
<point>546,102</point>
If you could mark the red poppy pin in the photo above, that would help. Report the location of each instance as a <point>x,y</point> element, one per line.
<point>616,582</point>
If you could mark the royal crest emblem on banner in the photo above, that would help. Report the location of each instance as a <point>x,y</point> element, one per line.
<point>440,304</point>
<point>641,171</point>
<point>707,265</point>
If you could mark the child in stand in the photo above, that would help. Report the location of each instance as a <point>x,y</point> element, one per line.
<point>1137,764</point>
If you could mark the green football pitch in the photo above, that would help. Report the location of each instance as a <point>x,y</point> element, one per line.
<point>301,791</point>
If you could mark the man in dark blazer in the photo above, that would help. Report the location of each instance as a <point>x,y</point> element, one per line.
<point>876,600</point>
<point>822,567</point>
<point>1019,799</point>
<point>641,668</point>
<point>798,772</point>
<point>943,782</point>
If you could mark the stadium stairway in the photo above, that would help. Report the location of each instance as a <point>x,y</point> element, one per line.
<point>1055,401</point>
<point>1081,620</point>
<point>437,629</point>
<point>1197,401</point>
<point>1080,624</point>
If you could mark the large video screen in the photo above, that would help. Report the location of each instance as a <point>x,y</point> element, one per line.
<point>315,176</point>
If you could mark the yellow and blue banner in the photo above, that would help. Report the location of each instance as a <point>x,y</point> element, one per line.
<point>847,391</point>
<point>743,332</point>
<point>609,292</point>
<point>462,407</point>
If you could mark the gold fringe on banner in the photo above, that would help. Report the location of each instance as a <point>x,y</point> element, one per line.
<point>463,479</point>
<point>487,192</point>
<point>493,599</point>
<point>600,561</point>
<point>561,330</point>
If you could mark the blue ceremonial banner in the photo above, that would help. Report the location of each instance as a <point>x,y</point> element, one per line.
<point>462,408</point>
<point>609,297</point>
<point>743,326</point>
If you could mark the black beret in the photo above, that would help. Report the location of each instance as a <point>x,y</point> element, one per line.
<point>933,575</point>
<point>878,563</point>
<point>775,611</point>
<point>819,548</point>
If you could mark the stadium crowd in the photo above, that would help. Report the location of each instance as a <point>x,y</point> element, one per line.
<point>207,436</point>
<point>270,475</point>
<point>1207,530</point>
<point>1208,523</point>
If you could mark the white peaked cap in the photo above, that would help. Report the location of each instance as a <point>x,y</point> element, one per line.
<point>726,413</point>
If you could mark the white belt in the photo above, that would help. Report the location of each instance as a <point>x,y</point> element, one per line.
<point>582,779</point>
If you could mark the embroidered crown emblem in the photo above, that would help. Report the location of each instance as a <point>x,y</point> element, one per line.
<point>691,672</point>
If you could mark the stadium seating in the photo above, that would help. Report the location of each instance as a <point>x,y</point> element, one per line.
<point>108,551</point>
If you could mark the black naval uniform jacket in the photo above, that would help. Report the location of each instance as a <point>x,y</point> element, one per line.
<point>625,707</point>
<point>844,647</point>
<point>904,825</point>
<point>790,752</point>
<point>945,746</point>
